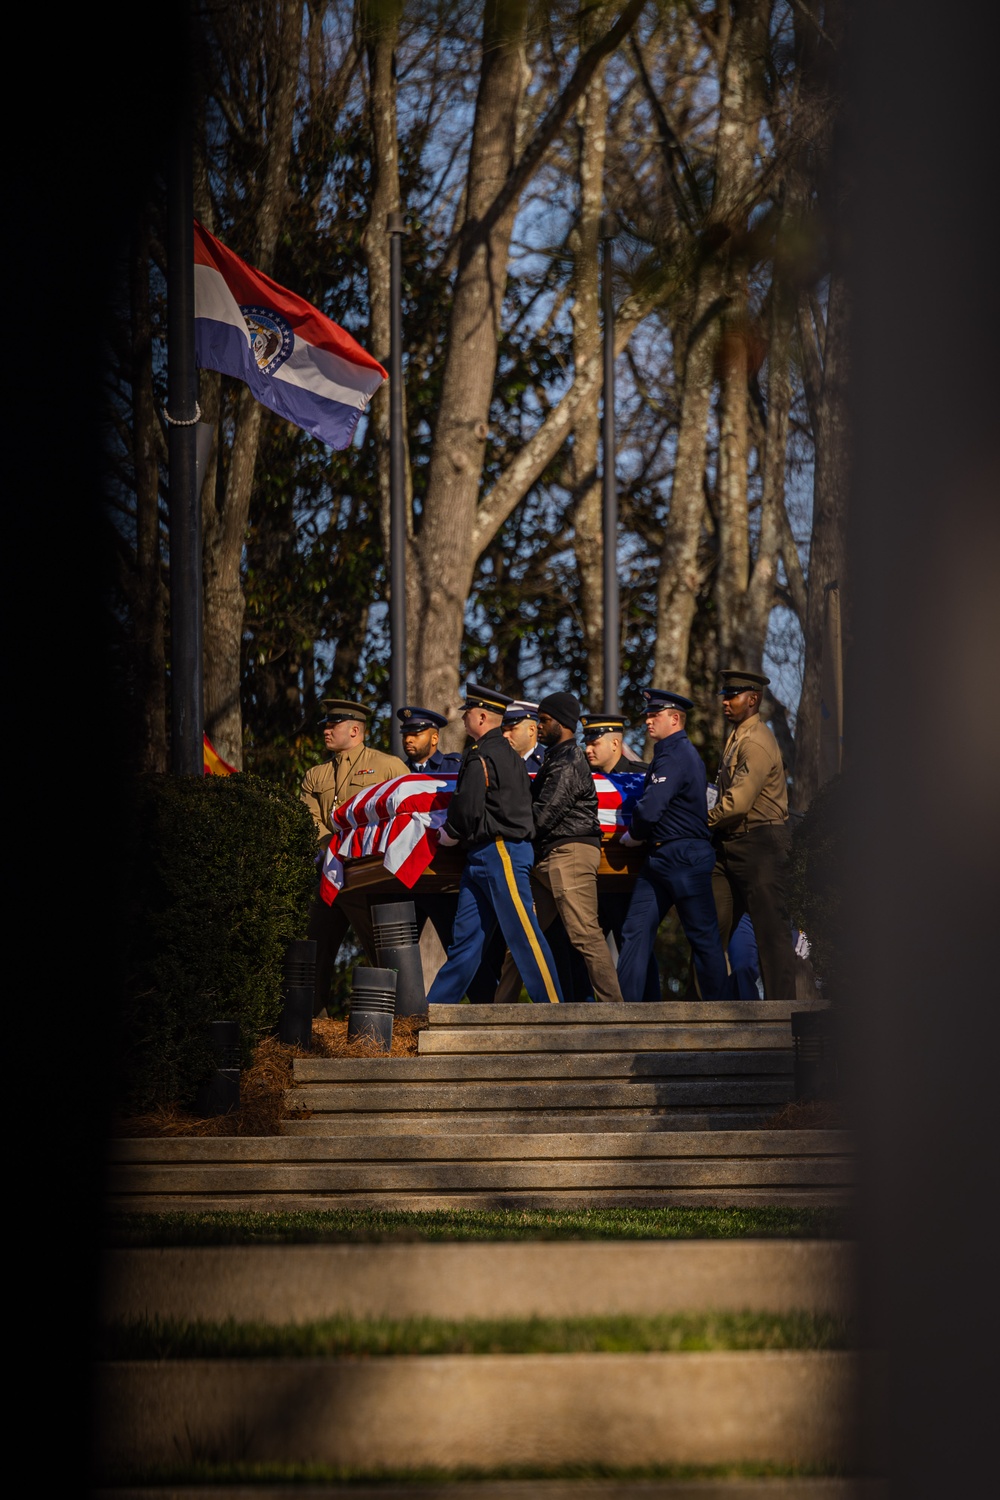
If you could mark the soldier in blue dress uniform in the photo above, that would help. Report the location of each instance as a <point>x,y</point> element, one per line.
<point>671,820</point>
<point>420,729</point>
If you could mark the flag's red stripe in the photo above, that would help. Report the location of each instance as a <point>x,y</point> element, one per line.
<point>251,287</point>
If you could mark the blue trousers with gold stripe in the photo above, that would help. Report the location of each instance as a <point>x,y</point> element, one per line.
<point>495,889</point>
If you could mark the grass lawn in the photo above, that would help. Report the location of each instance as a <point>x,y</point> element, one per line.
<point>327,1474</point>
<point>146,1338</point>
<point>340,1226</point>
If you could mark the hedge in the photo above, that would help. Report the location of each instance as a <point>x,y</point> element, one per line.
<point>218,879</point>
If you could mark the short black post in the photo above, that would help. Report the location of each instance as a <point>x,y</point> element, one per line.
<point>815,1055</point>
<point>220,1094</point>
<point>298,995</point>
<point>397,946</point>
<point>373,999</point>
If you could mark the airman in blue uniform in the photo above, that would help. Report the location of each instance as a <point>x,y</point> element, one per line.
<point>671,820</point>
<point>420,730</point>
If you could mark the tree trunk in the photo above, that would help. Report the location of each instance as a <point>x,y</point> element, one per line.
<point>720,291</point>
<point>382,29</point>
<point>445,558</point>
<point>226,523</point>
<point>775,533</point>
<point>680,575</point>
<point>826,547</point>
<point>587,516</point>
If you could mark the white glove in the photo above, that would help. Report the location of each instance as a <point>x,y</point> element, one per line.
<point>629,842</point>
<point>445,839</point>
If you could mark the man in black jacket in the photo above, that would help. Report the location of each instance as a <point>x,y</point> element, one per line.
<point>490,815</point>
<point>567,849</point>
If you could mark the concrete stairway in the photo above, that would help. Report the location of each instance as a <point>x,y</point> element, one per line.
<point>506,1069</point>
<point>523,1107</point>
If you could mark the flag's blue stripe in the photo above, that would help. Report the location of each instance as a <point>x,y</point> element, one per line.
<point>220,346</point>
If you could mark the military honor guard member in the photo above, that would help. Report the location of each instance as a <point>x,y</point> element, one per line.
<point>670,818</point>
<point>520,729</point>
<point>490,815</point>
<point>604,744</point>
<point>420,729</point>
<point>749,825</point>
<point>351,767</point>
<point>604,747</point>
<point>567,850</point>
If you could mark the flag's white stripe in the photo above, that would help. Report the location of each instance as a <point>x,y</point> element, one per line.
<point>414,833</point>
<point>328,375</point>
<point>214,300</point>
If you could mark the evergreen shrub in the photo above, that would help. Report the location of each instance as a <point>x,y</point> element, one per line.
<point>816,886</point>
<point>218,880</point>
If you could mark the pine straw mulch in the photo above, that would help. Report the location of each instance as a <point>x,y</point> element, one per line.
<point>263,1084</point>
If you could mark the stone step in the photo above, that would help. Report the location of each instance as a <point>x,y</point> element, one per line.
<point>525,1121</point>
<point>729,1488</point>
<point>582,1095</point>
<point>527,1066</point>
<point>283,1284</point>
<point>785,1488</point>
<point>683,1012</point>
<point>631,1038</point>
<point>272,1148</point>
<point>426,1171</point>
<point>482,1411</point>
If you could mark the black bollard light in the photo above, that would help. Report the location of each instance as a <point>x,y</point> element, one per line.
<point>298,996</point>
<point>397,946</point>
<point>373,1000</point>
<point>816,1074</point>
<point>220,1094</point>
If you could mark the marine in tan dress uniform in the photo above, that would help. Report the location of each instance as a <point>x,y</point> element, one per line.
<point>353,767</point>
<point>749,825</point>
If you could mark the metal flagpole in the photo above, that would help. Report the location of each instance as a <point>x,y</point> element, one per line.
<point>397,484</point>
<point>182,413</point>
<point>609,515</point>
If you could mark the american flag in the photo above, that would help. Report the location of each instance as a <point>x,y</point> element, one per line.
<point>399,819</point>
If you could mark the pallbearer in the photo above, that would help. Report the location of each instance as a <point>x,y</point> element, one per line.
<point>750,825</point>
<point>420,729</point>
<point>520,729</point>
<point>490,815</point>
<point>671,820</point>
<point>604,745</point>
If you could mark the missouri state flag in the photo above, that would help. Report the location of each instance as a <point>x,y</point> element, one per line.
<point>293,357</point>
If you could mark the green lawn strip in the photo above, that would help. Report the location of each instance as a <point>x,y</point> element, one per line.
<point>340,1226</point>
<point>303,1473</point>
<point>146,1338</point>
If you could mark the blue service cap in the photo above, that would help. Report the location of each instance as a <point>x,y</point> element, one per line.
<point>657,698</point>
<point>520,710</point>
<point>414,718</point>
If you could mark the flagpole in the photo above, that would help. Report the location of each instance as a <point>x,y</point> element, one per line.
<point>609,513</point>
<point>182,415</point>
<point>397,484</point>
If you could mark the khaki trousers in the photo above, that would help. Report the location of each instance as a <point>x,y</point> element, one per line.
<point>564,884</point>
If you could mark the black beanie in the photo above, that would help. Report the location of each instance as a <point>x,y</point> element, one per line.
<point>562,707</point>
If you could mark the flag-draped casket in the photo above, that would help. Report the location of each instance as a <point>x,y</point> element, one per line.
<point>399,820</point>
